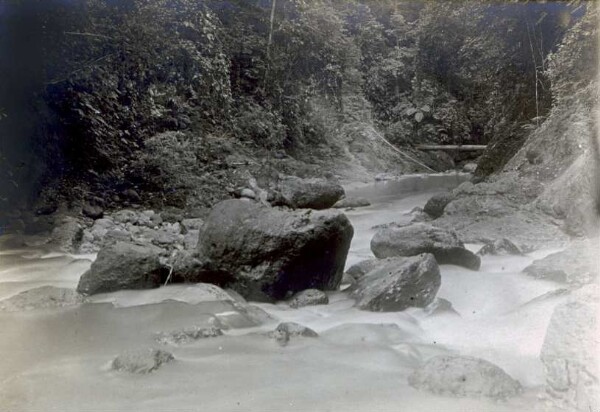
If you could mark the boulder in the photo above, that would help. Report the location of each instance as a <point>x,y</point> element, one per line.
<point>142,361</point>
<point>500,247</point>
<point>123,266</point>
<point>308,297</point>
<point>313,193</point>
<point>420,238</point>
<point>436,204</point>
<point>570,352</point>
<point>576,265</point>
<point>464,376</point>
<point>267,253</point>
<point>398,284</point>
<point>67,236</point>
<point>350,202</point>
<point>44,297</point>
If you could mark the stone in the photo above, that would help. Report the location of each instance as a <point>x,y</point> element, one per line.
<point>67,236</point>
<point>351,202</point>
<point>248,193</point>
<point>287,330</point>
<point>500,247</point>
<point>464,376</point>
<point>92,211</point>
<point>576,265</point>
<point>398,284</point>
<point>308,297</point>
<point>192,224</point>
<point>436,204</point>
<point>420,238</point>
<point>44,297</point>
<point>123,266</point>
<point>469,167</point>
<point>266,253</point>
<point>570,352</point>
<point>188,335</point>
<point>313,193</point>
<point>141,362</point>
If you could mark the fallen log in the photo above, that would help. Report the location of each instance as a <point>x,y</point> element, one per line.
<point>464,147</point>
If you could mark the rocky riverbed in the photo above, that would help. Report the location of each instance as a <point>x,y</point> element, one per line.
<point>372,343</point>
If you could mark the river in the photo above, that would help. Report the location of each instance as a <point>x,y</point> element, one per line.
<point>59,359</point>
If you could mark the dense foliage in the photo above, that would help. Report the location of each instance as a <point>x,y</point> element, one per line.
<point>114,74</point>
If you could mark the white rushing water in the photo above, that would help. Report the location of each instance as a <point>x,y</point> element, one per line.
<point>57,360</point>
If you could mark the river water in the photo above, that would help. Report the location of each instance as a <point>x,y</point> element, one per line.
<point>58,359</point>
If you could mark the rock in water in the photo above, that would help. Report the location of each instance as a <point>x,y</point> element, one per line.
<point>464,376</point>
<point>398,284</point>
<point>287,330</point>
<point>500,247</point>
<point>348,202</point>
<point>576,265</point>
<point>188,335</point>
<point>570,351</point>
<point>44,297</point>
<point>309,297</point>
<point>264,253</point>
<point>123,266</point>
<point>420,238</point>
<point>141,361</point>
<point>436,204</point>
<point>309,193</point>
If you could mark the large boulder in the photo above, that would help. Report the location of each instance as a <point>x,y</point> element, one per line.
<point>313,193</point>
<point>570,352</point>
<point>268,253</point>
<point>123,266</point>
<point>464,376</point>
<point>420,238</point>
<point>398,284</point>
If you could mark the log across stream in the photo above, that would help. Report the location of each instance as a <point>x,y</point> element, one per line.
<point>58,359</point>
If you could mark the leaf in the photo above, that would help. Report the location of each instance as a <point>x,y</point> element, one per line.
<point>411,111</point>
<point>426,109</point>
<point>419,116</point>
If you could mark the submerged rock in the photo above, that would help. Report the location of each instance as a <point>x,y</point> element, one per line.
<point>420,238</point>
<point>264,253</point>
<point>188,335</point>
<point>398,284</point>
<point>44,297</point>
<point>464,376</point>
<point>308,297</point>
<point>348,202</point>
<point>287,330</point>
<point>123,266</point>
<point>141,361</point>
<point>313,193</point>
<point>570,350</point>
<point>500,247</point>
<point>436,204</point>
